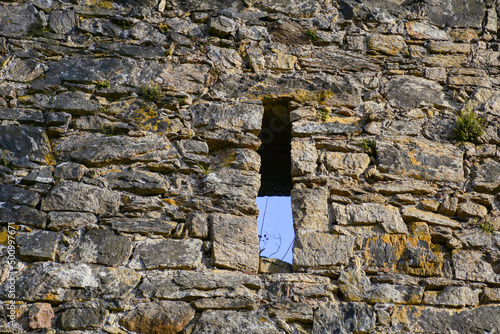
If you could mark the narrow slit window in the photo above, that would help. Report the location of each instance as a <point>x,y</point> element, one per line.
<point>275,222</point>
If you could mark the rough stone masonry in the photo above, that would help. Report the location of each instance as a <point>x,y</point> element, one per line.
<point>129,168</point>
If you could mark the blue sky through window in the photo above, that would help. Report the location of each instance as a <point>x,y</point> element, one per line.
<point>276,227</point>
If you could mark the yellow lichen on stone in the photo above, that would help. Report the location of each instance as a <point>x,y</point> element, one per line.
<point>105,4</point>
<point>169,201</point>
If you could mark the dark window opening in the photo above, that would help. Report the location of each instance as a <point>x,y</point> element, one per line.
<point>276,138</point>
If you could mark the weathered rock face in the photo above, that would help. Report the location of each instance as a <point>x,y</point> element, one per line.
<point>132,140</point>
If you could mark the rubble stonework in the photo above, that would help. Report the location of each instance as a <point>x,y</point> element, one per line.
<point>129,168</point>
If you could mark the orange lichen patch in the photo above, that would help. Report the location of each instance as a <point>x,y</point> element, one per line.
<point>169,201</point>
<point>414,255</point>
<point>4,237</point>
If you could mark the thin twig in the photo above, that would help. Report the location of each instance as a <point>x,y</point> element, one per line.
<point>287,250</point>
<point>264,217</point>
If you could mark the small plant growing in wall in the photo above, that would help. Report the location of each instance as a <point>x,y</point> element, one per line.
<point>312,35</point>
<point>367,145</point>
<point>205,170</point>
<point>469,127</point>
<point>151,92</point>
<point>323,114</point>
<point>37,29</point>
<point>104,84</point>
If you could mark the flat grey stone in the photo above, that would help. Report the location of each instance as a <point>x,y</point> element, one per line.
<point>470,265</point>
<point>168,253</point>
<point>22,214</point>
<point>63,22</point>
<point>456,13</point>
<point>137,182</point>
<point>59,220</point>
<point>37,246</point>
<point>325,128</point>
<point>454,296</point>
<point>98,150</point>
<point>69,171</point>
<point>18,195</point>
<point>75,103</point>
<point>100,247</point>
<point>25,143</point>
<point>343,318</point>
<point>410,92</point>
<point>56,282</point>
<point>76,196</point>
<point>228,322</point>
<point>17,20</point>
<point>142,225</point>
<point>487,177</point>
<point>310,210</point>
<point>420,159</point>
<point>158,317</point>
<point>314,249</point>
<point>297,9</point>
<point>83,318</point>
<point>235,242</point>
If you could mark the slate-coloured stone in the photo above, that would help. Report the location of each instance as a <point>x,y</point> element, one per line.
<point>420,159</point>
<point>75,196</point>
<point>242,117</point>
<point>403,187</point>
<point>168,253</point>
<point>228,322</point>
<point>17,20</point>
<point>325,128</point>
<point>100,247</point>
<point>37,246</point>
<point>456,13</point>
<point>314,249</point>
<point>384,11</point>
<point>141,225</point>
<point>26,143</point>
<point>76,103</point>
<point>331,59</point>
<point>69,171</point>
<point>83,318</point>
<point>410,92</point>
<point>22,214</point>
<point>232,183</point>
<point>63,22</point>
<point>487,177</point>
<point>454,296</point>
<point>98,150</point>
<point>298,9</point>
<point>343,318</point>
<point>23,70</point>
<point>421,319</point>
<point>235,242</point>
<point>137,182</point>
<point>158,317</point>
<point>55,282</point>
<point>470,265</point>
<point>71,220</point>
<point>18,195</point>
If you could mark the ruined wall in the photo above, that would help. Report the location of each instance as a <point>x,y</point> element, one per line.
<point>129,166</point>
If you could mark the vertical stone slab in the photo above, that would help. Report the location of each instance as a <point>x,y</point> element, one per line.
<point>310,210</point>
<point>235,242</point>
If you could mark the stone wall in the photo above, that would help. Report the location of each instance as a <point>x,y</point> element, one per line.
<point>129,166</point>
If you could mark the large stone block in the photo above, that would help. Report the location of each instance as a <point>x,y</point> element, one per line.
<point>470,265</point>
<point>22,214</point>
<point>298,9</point>
<point>235,242</point>
<point>350,164</point>
<point>240,117</point>
<point>409,92</point>
<point>23,144</point>
<point>310,210</point>
<point>228,322</point>
<point>100,247</point>
<point>420,159</point>
<point>314,249</point>
<point>158,317</point>
<point>55,282</point>
<point>487,177</point>
<point>424,319</point>
<point>304,157</point>
<point>404,254</point>
<point>456,13</point>
<point>454,296</point>
<point>137,182</point>
<point>98,150</point>
<point>387,216</point>
<point>387,44</point>
<point>168,253</point>
<point>37,246</point>
<point>343,318</point>
<point>83,318</point>
<point>74,196</point>
<point>228,182</point>
<point>413,214</point>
